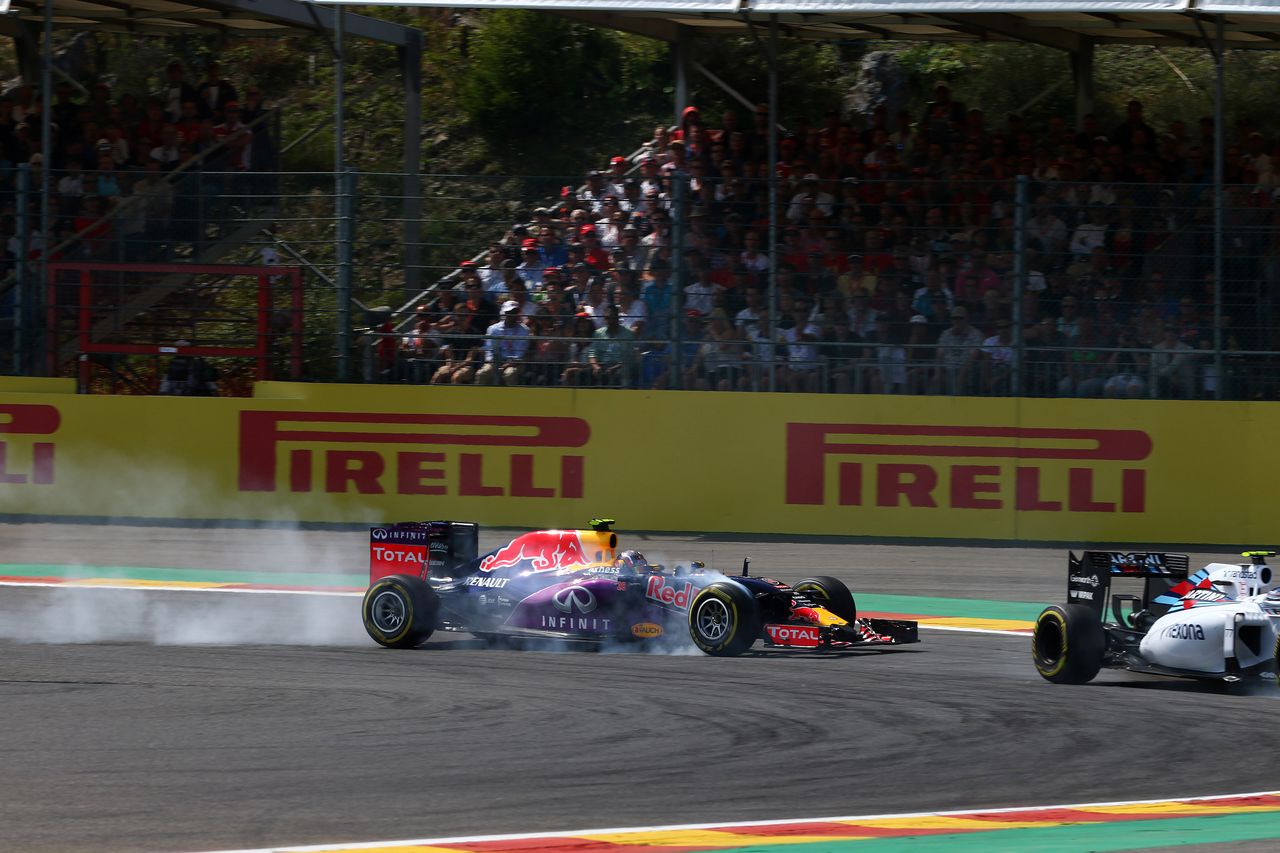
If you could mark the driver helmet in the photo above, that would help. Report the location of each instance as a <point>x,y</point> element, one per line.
<point>631,563</point>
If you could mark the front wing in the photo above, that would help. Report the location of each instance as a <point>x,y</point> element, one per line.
<point>860,633</point>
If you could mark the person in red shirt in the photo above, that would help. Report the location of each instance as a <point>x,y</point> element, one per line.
<point>595,255</point>
<point>150,131</point>
<point>188,123</point>
<point>95,235</point>
<point>875,259</point>
<point>835,259</point>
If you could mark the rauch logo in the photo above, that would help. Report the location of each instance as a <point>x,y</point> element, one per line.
<point>876,475</point>
<point>469,455</point>
<point>22,419</point>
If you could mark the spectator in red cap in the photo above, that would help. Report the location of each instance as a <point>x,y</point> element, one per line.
<point>596,256</point>
<point>531,263</point>
<point>617,176</point>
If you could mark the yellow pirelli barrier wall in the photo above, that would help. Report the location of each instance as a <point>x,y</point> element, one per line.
<point>994,469</point>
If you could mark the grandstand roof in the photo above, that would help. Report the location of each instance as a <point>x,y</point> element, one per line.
<point>172,17</point>
<point>1065,24</point>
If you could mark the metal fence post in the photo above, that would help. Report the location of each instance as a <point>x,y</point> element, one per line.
<point>1019,279</point>
<point>346,234</point>
<point>678,187</point>
<point>1219,165</point>
<point>25,286</point>
<point>46,175</point>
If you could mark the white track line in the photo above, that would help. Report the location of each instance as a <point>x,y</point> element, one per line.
<point>162,588</point>
<point>80,585</point>
<point>528,836</point>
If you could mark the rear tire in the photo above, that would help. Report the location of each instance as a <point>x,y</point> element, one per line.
<point>724,620</point>
<point>831,593</point>
<point>1068,644</point>
<point>400,611</point>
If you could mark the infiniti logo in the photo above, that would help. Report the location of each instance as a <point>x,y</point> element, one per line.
<point>378,533</point>
<point>574,598</point>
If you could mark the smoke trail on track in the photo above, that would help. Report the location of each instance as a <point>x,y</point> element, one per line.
<point>194,617</point>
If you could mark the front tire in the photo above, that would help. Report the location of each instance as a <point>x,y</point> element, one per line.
<point>400,611</point>
<point>724,620</point>
<point>1068,644</point>
<point>831,593</point>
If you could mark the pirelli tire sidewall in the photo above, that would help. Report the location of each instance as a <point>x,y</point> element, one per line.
<point>1068,644</point>
<point>740,619</point>
<point>418,605</point>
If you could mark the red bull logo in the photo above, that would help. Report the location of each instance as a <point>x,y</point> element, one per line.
<point>543,551</point>
<point>23,419</point>
<point>411,454</point>
<point>875,472</point>
<point>660,591</point>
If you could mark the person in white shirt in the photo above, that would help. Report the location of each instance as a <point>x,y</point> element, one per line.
<point>802,349</point>
<point>998,357</point>
<point>634,313</point>
<point>495,284</point>
<point>810,194</point>
<point>1090,235</point>
<point>862,317</point>
<point>751,257</point>
<point>505,346</point>
<point>749,317</point>
<point>594,305</point>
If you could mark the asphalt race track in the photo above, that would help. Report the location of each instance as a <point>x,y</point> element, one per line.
<point>293,728</point>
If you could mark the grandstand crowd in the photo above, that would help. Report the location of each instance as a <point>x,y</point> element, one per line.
<point>110,156</point>
<point>895,262</point>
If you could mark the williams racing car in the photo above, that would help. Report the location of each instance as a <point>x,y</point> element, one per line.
<point>1220,623</point>
<point>577,585</point>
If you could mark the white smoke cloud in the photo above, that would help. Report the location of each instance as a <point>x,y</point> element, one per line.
<point>89,615</point>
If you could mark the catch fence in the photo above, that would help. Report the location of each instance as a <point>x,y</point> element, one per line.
<point>1046,287</point>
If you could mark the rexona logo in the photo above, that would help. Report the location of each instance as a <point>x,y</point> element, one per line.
<point>905,465</point>
<point>22,460</point>
<point>658,590</point>
<point>1183,631</point>
<point>410,454</point>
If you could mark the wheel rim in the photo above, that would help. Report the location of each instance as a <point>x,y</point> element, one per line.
<point>388,611</point>
<point>713,620</point>
<point>813,591</point>
<point>1050,641</point>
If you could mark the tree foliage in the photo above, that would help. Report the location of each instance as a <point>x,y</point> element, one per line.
<point>544,90</point>
<point>808,76</point>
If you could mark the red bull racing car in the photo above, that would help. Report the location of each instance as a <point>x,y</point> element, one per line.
<point>576,585</point>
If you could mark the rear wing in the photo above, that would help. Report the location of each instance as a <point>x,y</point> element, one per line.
<point>419,547</point>
<point>1089,576</point>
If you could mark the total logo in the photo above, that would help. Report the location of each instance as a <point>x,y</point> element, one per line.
<point>793,635</point>
<point>574,599</point>
<point>658,590</point>
<point>397,555</point>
